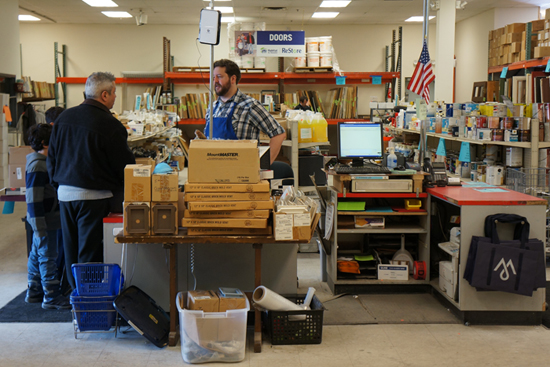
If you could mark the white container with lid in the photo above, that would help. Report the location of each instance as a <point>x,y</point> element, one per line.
<point>325,59</point>
<point>325,44</point>
<point>312,44</point>
<point>300,61</point>
<point>313,59</point>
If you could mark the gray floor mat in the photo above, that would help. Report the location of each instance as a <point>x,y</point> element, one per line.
<point>421,308</point>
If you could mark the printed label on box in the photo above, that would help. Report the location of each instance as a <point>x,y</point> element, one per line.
<point>283,227</point>
<point>301,220</point>
<point>18,172</point>
<point>142,172</point>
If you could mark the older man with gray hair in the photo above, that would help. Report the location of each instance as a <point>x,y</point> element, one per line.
<point>86,158</point>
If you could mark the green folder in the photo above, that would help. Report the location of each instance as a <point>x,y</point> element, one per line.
<point>363,257</point>
<point>351,205</point>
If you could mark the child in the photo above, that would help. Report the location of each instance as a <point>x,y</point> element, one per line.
<point>43,216</point>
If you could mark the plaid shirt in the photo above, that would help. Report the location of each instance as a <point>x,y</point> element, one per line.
<point>249,117</point>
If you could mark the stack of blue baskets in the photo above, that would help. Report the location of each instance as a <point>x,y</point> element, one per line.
<point>97,286</point>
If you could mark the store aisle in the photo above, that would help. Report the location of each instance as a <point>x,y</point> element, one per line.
<point>53,344</point>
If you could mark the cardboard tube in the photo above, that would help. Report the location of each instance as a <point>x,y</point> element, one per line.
<point>309,297</point>
<point>273,301</point>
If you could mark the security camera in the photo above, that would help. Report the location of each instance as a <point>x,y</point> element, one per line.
<point>460,5</point>
<point>141,19</point>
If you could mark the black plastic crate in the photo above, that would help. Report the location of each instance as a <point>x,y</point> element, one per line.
<point>296,327</point>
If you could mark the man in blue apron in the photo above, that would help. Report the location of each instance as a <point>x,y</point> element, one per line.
<point>238,116</point>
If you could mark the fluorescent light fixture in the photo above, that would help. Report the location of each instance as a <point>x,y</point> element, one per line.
<point>419,18</point>
<point>325,14</point>
<point>228,20</point>
<point>28,18</point>
<point>224,9</point>
<point>335,4</point>
<point>217,1</point>
<point>117,14</point>
<point>101,3</point>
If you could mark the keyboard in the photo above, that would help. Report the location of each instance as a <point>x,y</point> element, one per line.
<point>371,169</point>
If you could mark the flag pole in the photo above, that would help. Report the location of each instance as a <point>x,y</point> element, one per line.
<point>423,123</point>
<point>211,97</point>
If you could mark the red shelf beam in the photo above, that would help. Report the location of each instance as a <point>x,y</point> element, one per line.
<point>73,80</point>
<point>202,121</point>
<point>520,65</point>
<point>355,195</point>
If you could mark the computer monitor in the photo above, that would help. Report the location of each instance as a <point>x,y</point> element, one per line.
<point>359,141</point>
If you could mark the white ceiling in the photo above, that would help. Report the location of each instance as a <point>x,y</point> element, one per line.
<point>293,12</point>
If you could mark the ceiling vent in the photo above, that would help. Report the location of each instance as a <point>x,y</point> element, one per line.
<point>274,8</point>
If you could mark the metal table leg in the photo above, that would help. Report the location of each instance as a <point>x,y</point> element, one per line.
<point>257,283</point>
<point>174,317</point>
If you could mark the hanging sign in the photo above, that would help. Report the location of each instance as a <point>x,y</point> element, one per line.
<point>464,155</point>
<point>376,79</point>
<point>504,72</point>
<point>441,150</point>
<point>340,80</point>
<point>278,43</point>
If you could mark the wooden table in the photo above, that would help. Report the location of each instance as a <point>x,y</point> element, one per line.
<point>172,241</point>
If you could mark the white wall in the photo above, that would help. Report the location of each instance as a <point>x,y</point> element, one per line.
<point>9,41</point>
<point>120,48</point>
<point>471,50</point>
<point>505,16</point>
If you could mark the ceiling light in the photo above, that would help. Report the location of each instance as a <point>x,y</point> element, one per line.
<point>224,9</point>
<point>117,14</point>
<point>418,18</point>
<point>228,20</point>
<point>335,4</point>
<point>30,18</point>
<point>217,1</point>
<point>101,3</point>
<point>326,14</point>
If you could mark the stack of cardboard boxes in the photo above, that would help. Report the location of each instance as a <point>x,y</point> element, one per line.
<point>508,44</point>
<point>150,201</point>
<point>224,194</point>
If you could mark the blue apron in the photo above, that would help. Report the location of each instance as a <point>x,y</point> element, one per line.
<point>223,126</point>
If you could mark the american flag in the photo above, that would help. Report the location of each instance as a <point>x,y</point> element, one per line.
<point>423,75</point>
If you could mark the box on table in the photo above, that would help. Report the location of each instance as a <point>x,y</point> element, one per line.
<point>369,221</point>
<point>204,336</point>
<point>224,161</point>
<point>230,205</point>
<point>165,187</point>
<point>393,272</point>
<point>262,186</point>
<point>137,183</point>
<point>147,162</point>
<point>181,206</point>
<point>137,218</point>
<point>514,27</point>
<point>17,175</point>
<point>206,301</point>
<point>295,226</point>
<point>164,218</point>
<point>18,155</point>
<point>201,231</point>
<point>224,222</point>
<point>227,196</point>
<point>541,52</point>
<point>228,214</point>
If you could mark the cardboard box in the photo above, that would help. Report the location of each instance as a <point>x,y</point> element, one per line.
<point>230,231</point>
<point>227,196</point>
<point>137,183</point>
<point>179,162</point>
<point>206,301</point>
<point>515,47</point>
<point>147,162</point>
<point>537,25</point>
<point>230,303</point>
<point>262,186</point>
<point>165,187</point>
<point>513,37</point>
<point>393,272</point>
<point>17,175</point>
<point>181,206</point>
<point>137,219</point>
<point>164,218</point>
<point>541,52</point>
<point>294,227</point>
<point>228,214</point>
<point>229,205</point>
<point>515,27</point>
<point>18,155</point>
<point>224,222</point>
<point>224,161</point>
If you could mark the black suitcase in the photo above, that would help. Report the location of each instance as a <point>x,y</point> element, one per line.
<point>144,315</point>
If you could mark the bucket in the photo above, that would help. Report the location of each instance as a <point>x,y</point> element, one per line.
<point>300,62</point>
<point>514,157</point>
<point>312,44</point>
<point>325,44</point>
<point>313,59</point>
<point>247,62</point>
<point>259,62</point>
<point>325,59</point>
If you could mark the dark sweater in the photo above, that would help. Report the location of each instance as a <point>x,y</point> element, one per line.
<point>89,149</point>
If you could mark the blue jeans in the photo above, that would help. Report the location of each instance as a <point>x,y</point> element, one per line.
<point>41,266</point>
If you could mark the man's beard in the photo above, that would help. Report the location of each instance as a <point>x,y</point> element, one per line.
<point>224,88</point>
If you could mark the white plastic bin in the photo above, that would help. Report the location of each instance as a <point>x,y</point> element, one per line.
<point>212,336</point>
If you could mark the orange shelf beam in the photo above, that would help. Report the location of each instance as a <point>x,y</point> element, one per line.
<point>199,78</point>
<point>330,78</point>
<point>202,121</point>
<point>75,80</point>
<point>533,63</point>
